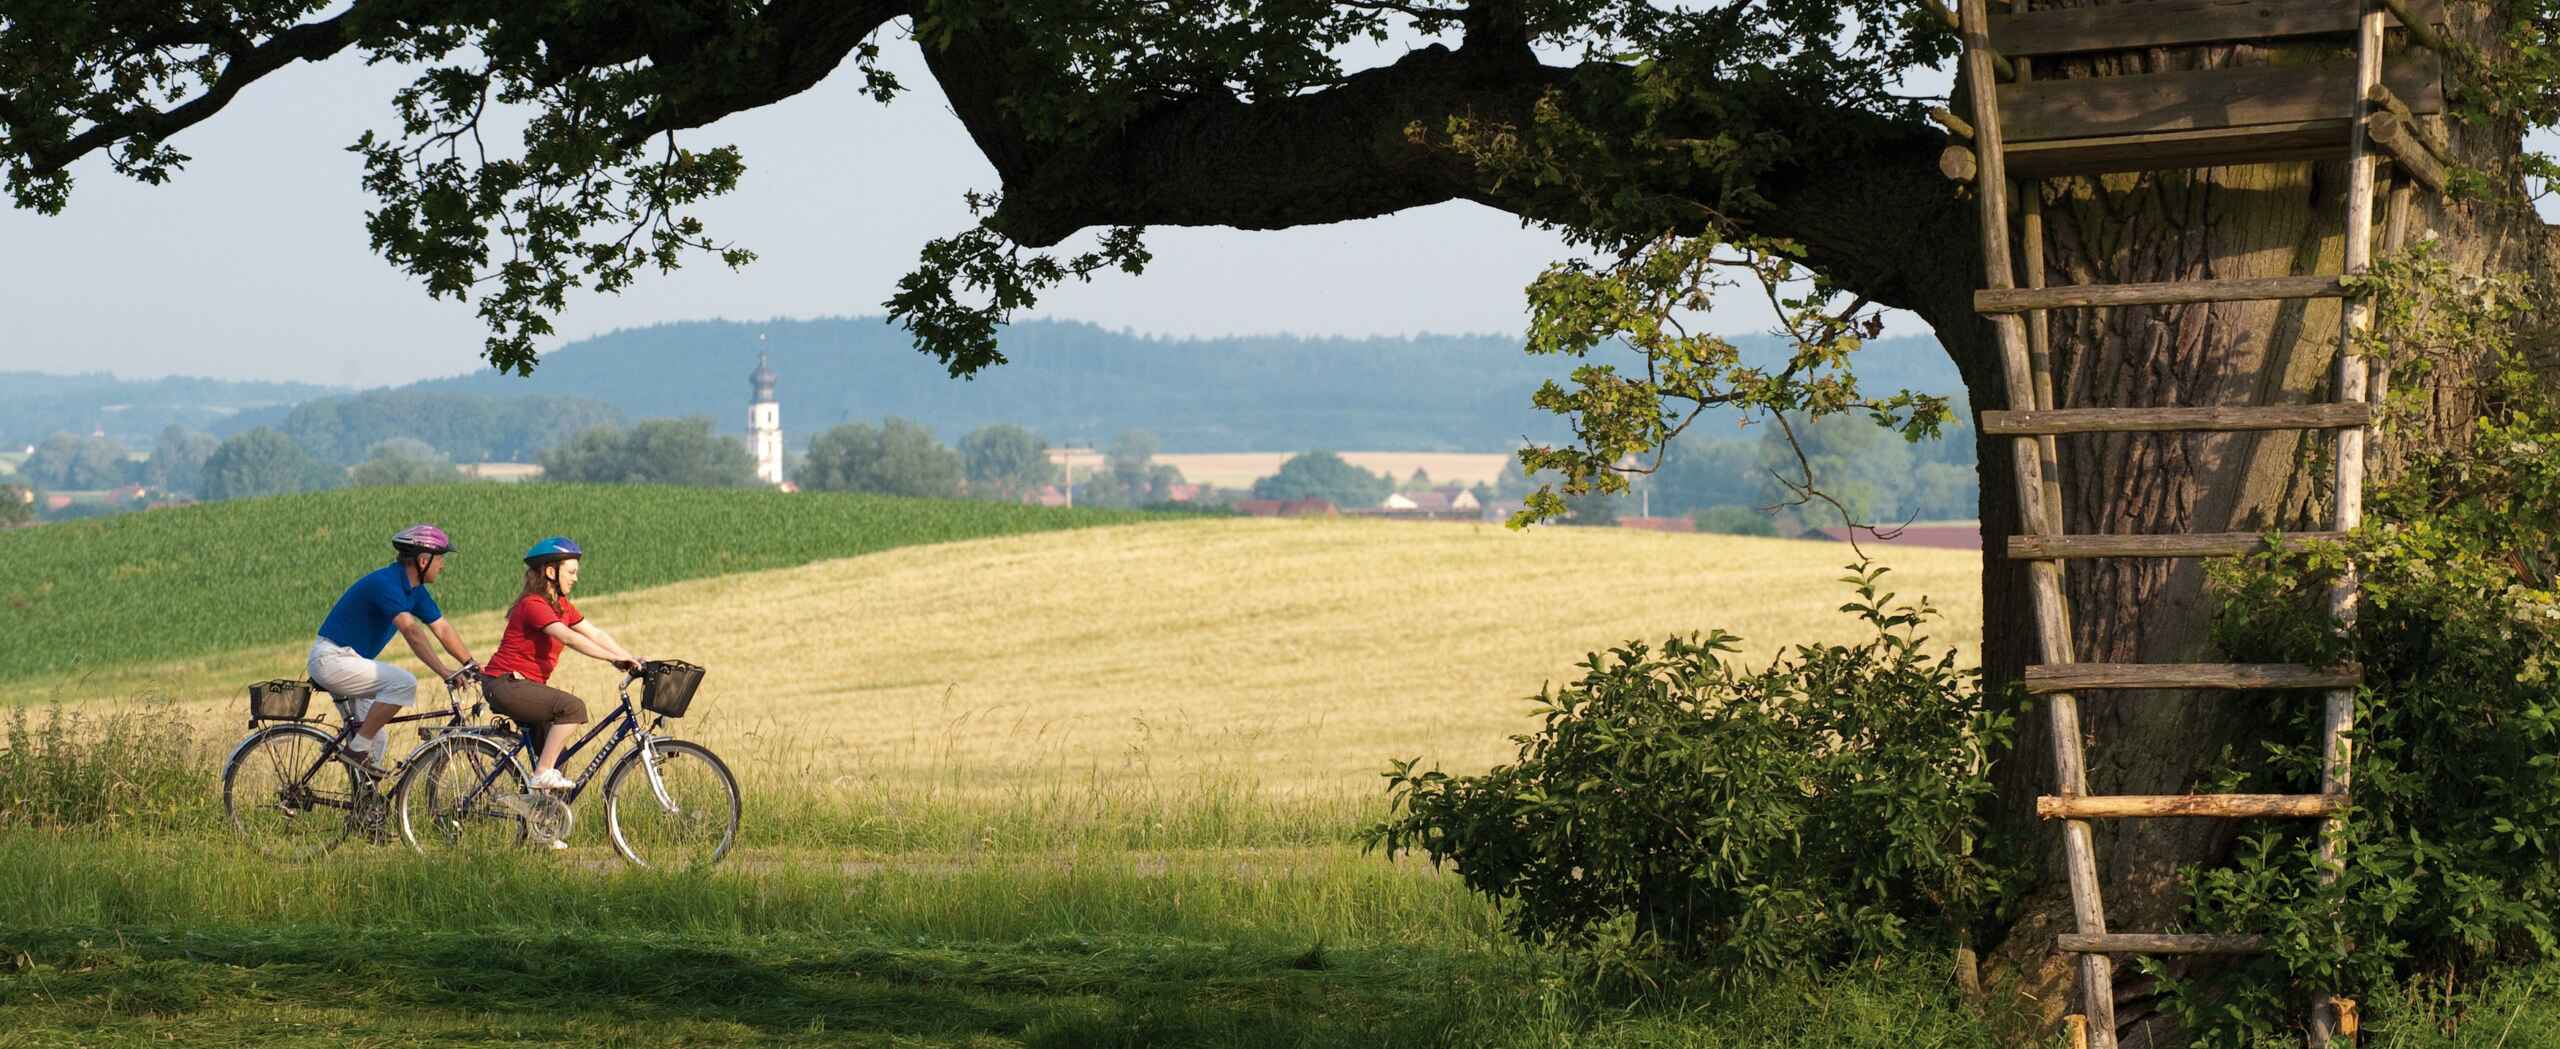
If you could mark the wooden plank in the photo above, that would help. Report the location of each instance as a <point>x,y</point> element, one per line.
<point>2209,544</point>
<point>2206,98</point>
<point>2347,508</point>
<point>2157,293</point>
<point>2397,137</point>
<point>1979,44</point>
<point>2082,677</point>
<point>2167,23</point>
<point>2420,21</point>
<point>2180,150</point>
<point>2163,943</point>
<point>2176,420</point>
<point>2053,633</point>
<point>2178,806</point>
<point>2429,134</point>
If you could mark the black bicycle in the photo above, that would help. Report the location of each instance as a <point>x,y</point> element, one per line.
<point>294,790</point>
<point>668,803</point>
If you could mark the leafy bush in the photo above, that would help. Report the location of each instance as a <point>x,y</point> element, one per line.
<point>1677,807</point>
<point>2449,846</point>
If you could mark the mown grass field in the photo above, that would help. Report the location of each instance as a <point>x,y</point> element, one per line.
<point>83,596</point>
<point>1090,787</point>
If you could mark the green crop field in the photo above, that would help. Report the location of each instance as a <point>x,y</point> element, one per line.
<point>171,584</point>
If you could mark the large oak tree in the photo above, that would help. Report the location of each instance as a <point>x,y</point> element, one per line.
<point>1783,126</point>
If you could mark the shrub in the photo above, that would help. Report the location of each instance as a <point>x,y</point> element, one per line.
<point>2448,847</point>
<point>1677,807</point>
<point>2456,811</point>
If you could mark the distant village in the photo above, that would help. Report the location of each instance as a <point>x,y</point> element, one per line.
<point>1396,486</point>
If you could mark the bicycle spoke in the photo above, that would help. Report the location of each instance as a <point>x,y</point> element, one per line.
<point>687,818</point>
<point>284,799</point>
<point>448,799</point>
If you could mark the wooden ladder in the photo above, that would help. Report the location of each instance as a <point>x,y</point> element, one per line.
<point>2365,113</point>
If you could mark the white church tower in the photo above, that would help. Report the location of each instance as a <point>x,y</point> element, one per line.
<point>764,424</point>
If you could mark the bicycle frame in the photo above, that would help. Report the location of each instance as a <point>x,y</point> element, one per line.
<point>337,744</point>
<point>625,723</point>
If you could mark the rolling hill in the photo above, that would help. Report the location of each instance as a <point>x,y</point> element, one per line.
<point>1080,384</point>
<point>1290,656</point>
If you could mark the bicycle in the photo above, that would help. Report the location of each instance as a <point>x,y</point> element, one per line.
<point>295,791</point>
<point>469,790</point>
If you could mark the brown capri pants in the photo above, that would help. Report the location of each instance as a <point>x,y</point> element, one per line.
<point>534,705</point>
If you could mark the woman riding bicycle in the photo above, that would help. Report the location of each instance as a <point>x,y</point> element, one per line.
<point>541,624</point>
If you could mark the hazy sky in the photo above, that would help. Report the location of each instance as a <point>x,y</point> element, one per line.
<point>253,262</point>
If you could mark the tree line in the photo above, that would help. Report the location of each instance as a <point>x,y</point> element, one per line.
<point>1746,484</point>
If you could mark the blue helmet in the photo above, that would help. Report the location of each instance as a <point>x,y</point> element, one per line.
<point>554,549</point>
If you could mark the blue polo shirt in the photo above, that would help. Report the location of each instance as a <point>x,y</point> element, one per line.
<point>361,620</point>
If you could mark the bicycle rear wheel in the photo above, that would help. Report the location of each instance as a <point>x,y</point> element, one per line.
<point>285,798</point>
<point>690,824</point>
<point>455,795</point>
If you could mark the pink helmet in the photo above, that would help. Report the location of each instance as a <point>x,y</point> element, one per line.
<point>422,539</point>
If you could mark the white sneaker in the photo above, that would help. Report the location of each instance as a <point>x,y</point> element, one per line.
<point>558,845</point>
<point>371,755</point>
<point>550,779</point>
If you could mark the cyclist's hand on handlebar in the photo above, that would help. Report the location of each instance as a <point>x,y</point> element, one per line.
<point>628,666</point>
<point>467,674</point>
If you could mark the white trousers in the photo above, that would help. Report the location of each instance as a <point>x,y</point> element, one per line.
<point>357,682</point>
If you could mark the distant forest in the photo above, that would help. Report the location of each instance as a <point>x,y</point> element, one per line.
<point>1071,383</point>
<point>1077,383</point>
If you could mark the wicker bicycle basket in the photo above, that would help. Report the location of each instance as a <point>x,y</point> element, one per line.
<point>666,686</point>
<point>283,699</point>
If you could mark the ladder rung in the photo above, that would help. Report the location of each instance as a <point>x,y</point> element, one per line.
<point>2238,289</point>
<point>2169,420</point>
<point>2211,544</point>
<point>2160,943</point>
<point>2083,677</point>
<point>2220,806</point>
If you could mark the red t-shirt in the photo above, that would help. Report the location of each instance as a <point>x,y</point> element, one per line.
<point>526,649</point>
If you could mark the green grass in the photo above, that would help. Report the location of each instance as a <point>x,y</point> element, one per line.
<point>110,941</point>
<point>133,918</point>
<point>178,583</point>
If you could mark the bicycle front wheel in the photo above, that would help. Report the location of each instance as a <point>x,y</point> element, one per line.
<point>289,794</point>
<point>686,819</point>
<point>456,794</point>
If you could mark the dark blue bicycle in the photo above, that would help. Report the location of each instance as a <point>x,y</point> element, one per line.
<point>668,803</point>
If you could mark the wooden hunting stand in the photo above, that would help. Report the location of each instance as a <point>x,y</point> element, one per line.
<point>2367,110</point>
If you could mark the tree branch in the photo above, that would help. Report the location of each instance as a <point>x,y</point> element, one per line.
<point>1861,192</point>
<point>311,42</point>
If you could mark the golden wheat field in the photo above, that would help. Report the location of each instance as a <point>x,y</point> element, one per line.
<point>1295,656</point>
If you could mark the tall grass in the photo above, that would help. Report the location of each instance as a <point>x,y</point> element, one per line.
<point>82,595</point>
<point>101,770</point>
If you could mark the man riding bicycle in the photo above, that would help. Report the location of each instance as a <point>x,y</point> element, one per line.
<point>390,599</point>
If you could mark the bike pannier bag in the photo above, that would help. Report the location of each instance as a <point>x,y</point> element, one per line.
<point>666,686</point>
<point>283,699</point>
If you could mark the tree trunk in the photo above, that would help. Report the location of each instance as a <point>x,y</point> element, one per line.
<point>2265,220</point>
